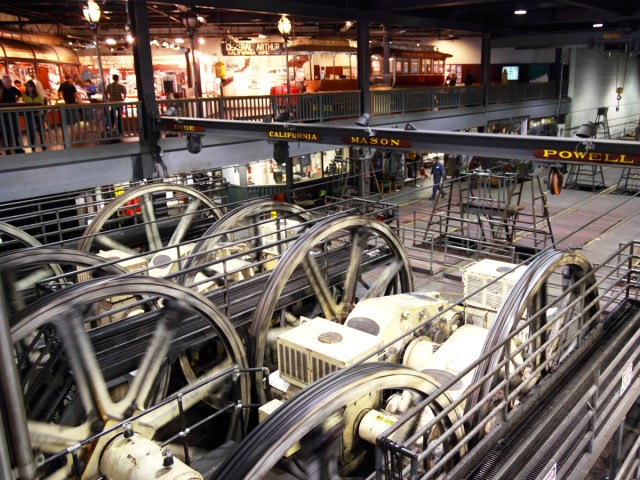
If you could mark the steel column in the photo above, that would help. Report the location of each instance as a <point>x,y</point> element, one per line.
<point>12,401</point>
<point>144,164</point>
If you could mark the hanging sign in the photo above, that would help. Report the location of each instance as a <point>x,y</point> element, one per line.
<point>377,141</point>
<point>184,127</point>
<point>248,49</point>
<point>588,156</point>
<point>551,474</point>
<point>627,377</point>
<point>293,136</point>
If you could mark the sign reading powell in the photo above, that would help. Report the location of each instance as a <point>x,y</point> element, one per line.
<point>587,156</point>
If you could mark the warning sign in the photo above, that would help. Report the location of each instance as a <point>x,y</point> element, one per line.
<point>551,474</point>
<point>627,375</point>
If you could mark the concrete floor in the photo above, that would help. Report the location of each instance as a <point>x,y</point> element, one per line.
<point>595,222</point>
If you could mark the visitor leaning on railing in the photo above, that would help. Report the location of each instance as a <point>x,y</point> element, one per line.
<point>34,119</point>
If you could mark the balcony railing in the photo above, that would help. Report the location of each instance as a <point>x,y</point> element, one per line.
<point>31,128</point>
<point>66,126</point>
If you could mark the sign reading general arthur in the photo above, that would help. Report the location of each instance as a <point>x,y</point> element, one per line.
<point>248,49</point>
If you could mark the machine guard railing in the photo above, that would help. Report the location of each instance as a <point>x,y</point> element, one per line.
<point>615,282</point>
<point>61,219</point>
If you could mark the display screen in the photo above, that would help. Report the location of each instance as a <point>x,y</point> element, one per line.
<point>512,72</point>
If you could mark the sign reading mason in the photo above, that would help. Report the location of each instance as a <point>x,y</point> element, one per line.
<point>589,156</point>
<point>377,141</point>
<point>294,136</point>
<point>248,49</point>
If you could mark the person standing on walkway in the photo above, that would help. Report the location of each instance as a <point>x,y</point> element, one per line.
<point>116,92</point>
<point>9,96</point>
<point>67,91</point>
<point>34,118</point>
<point>439,174</point>
<point>468,79</point>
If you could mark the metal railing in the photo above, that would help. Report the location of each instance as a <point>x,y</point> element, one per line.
<point>66,126</point>
<point>36,128</point>
<point>61,219</point>
<point>533,349</point>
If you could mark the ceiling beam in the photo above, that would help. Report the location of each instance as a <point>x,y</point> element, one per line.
<point>337,13</point>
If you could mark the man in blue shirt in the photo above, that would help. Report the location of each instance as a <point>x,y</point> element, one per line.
<point>90,88</point>
<point>439,174</point>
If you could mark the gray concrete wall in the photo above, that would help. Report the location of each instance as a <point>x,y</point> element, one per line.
<point>594,76</point>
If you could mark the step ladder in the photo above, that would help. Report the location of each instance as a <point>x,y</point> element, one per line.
<point>590,177</point>
<point>486,213</point>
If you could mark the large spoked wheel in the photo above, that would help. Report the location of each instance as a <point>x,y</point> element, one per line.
<point>326,272</point>
<point>12,238</point>
<point>245,242</point>
<point>78,380</point>
<point>150,218</point>
<point>552,333</point>
<point>320,415</point>
<point>29,275</point>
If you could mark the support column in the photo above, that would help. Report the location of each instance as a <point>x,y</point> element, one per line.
<point>145,162</point>
<point>364,67</point>
<point>485,66</point>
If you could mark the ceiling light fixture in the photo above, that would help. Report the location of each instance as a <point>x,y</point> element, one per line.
<point>347,25</point>
<point>598,25</point>
<point>520,11</point>
<point>91,12</point>
<point>110,41</point>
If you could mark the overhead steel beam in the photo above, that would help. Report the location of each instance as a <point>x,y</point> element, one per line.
<point>516,147</point>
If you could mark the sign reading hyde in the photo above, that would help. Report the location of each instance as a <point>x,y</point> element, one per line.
<point>246,49</point>
<point>182,127</point>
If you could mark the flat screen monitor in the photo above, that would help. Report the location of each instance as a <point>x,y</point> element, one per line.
<point>512,72</point>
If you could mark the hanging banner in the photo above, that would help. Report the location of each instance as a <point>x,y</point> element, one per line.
<point>247,49</point>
